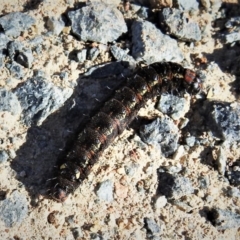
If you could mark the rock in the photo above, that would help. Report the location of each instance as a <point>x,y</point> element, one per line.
<point>173,186</point>
<point>16,70</point>
<point>190,141</point>
<point>203,182</point>
<point>151,227</point>
<point>77,232</point>
<point>97,22</point>
<point>55,25</point>
<point>221,161</point>
<point>131,169</point>
<point>206,4</point>
<point>161,3</point>
<point>224,120</point>
<point>151,45</point>
<point>25,58</point>
<point>114,3</point>
<point>122,55</point>
<point>233,192</point>
<point>161,132</point>
<point>2,57</point>
<point>224,219</point>
<point>35,41</point>
<point>3,156</point>
<point>14,47</point>
<point>186,4</point>
<point>39,99</point>
<point>16,22</point>
<point>14,209</point>
<point>81,55</point>
<point>143,12</point>
<point>93,54</point>
<point>9,102</point>
<point>105,191</point>
<point>176,24</point>
<point>4,40</point>
<point>174,106</point>
<point>161,202</point>
<point>63,75</point>
<point>233,174</point>
<point>232,37</point>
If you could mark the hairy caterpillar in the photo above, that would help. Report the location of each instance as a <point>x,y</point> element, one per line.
<point>116,114</point>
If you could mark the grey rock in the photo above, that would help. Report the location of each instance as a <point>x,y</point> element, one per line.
<point>143,12</point>
<point>35,41</point>
<point>233,192</point>
<point>3,156</point>
<point>9,102</point>
<point>93,53</point>
<point>224,121</point>
<point>105,191</point>
<point>221,161</point>
<point>174,186</point>
<point>232,37</point>
<point>186,4</point>
<point>14,48</point>
<point>25,58</point>
<point>122,55</point>
<point>131,169</point>
<point>151,45</point>
<point>174,22</point>
<point>81,55</point>
<point>64,75</point>
<point>38,73</point>
<point>97,22</point>
<point>2,57</point>
<point>16,22</point>
<point>233,174</point>
<point>233,22</point>
<point>161,132</point>
<point>4,40</point>
<point>39,99</point>
<point>203,182</point>
<point>172,105</point>
<point>77,232</point>
<point>152,227</point>
<point>114,3</point>
<point>224,219</point>
<point>14,209</point>
<point>190,141</point>
<point>15,69</point>
<point>55,25</point>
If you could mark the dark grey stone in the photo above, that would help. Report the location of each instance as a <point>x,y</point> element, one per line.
<point>122,55</point>
<point>151,227</point>
<point>105,191</point>
<point>14,48</point>
<point>151,45</point>
<point>176,24</point>
<point>25,58</point>
<point>172,105</point>
<point>186,4</point>
<point>233,173</point>
<point>4,40</point>
<point>224,120</point>
<point>9,102</point>
<point>173,186</point>
<point>39,99</point>
<point>163,133</point>
<point>224,219</point>
<point>97,22</point>
<point>81,55</point>
<point>16,22</point>
<point>2,57</point>
<point>3,156</point>
<point>14,209</point>
<point>143,12</point>
<point>15,69</point>
<point>93,54</point>
<point>55,25</point>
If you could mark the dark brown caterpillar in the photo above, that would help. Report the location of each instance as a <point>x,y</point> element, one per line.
<point>114,117</point>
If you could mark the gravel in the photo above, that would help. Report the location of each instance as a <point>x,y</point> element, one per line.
<point>105,191</point>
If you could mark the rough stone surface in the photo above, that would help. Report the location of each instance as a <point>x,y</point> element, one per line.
<point>95,23</point>
<point>39,99</point>
<point>174,106</point>
<point>14,23</point>
<point>161,132</point>
<point>114,3</point>
<point>225,121</point>
<point>233,174</point>
<point>173,21</point>
<point>14,209</point>
<point>15,69</point>
<point>3,156</point>
<point>55,25</point>
<point>224,219</point>
<point>161,3</point>
<point>9,102</point>
<point>151,45</point>
<point>186,4</point>
<point>174,186</point>
<point>105,191</point>
<point>93,54</point>
<point>25,58</point>
<point>152,227</point>
<point>3,41</point>
<point>81,56</point>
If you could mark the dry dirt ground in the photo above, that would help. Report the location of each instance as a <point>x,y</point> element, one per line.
<point>84,215</point>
